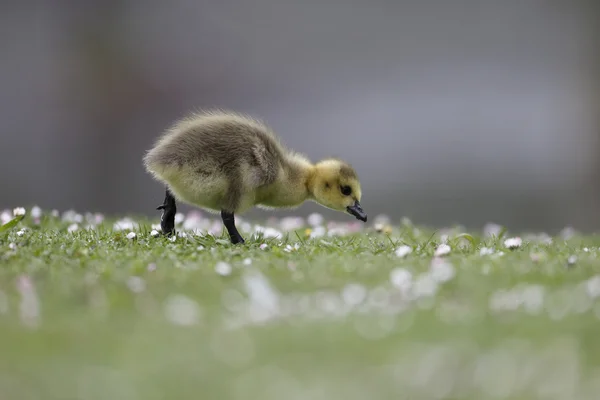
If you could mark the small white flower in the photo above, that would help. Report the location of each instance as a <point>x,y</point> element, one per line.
<point>486,251</point>
<point>124,224</point>
<point>72,216</point>
<point>289,248</point>
<point>200,248</point>
<point>403,251</point>
<point>567,233</point>
<point>12,246</point>
<point>382,219</point>
<point>179,218</point>
<point>5,217</point>
<point>513,243</point>
<point>289,224</point>
<point>247,261</point>
<point>73,227</point>
<point>36,212</point>
<point>19,211</point>
<point>263,246</point>
<point>173,238</point>
<point>572,260</point>
<point>154,233</point>
<point>131,235</point>
<point>442,250</point>
<point>267,232</point>
<point>223,268</point>
<point>21,232</point>
<point>317,232</point>
<point>492,229</point>
<point>315,219</point>
<point>151,267</point>
<point>585,249</point>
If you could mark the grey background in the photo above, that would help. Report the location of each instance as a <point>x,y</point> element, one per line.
<point>451,111</point>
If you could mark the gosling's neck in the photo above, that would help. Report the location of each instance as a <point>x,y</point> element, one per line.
<point>294,186</point>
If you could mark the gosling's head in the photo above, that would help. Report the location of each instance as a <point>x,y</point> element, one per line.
<point>335,185</point>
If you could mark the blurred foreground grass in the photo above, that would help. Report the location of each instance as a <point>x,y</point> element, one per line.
<point>88,311</point>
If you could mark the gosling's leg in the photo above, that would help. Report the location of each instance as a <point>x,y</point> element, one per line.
<point>169,208</point>
<point>229,222</point>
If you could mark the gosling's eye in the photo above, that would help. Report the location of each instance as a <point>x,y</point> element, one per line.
<point>346,190</point>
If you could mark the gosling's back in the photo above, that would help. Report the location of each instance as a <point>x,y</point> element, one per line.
<point>211,159</point>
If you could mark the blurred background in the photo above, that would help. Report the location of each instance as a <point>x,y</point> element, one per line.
<point>451,111</point>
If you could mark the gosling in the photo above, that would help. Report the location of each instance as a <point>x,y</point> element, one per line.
<point>228,162</point>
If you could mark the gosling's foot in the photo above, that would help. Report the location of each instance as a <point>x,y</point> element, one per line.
<point>167,219</point>
<point>237,239</point>
<point>229,222</point>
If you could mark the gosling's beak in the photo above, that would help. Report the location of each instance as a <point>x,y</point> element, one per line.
<point>357,211</point>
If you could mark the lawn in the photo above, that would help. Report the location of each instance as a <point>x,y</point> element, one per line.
<point>100,308</point>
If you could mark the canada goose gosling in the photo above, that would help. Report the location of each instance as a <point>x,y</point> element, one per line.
<point>228,162</point>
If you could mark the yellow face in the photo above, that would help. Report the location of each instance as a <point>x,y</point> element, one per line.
<point>336,186</point>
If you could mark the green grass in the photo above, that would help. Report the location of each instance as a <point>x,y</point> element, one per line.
<point>93,314</point>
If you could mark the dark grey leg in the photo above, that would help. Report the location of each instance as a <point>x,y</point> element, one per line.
<point>169,208</point>
<point>229,222</point>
